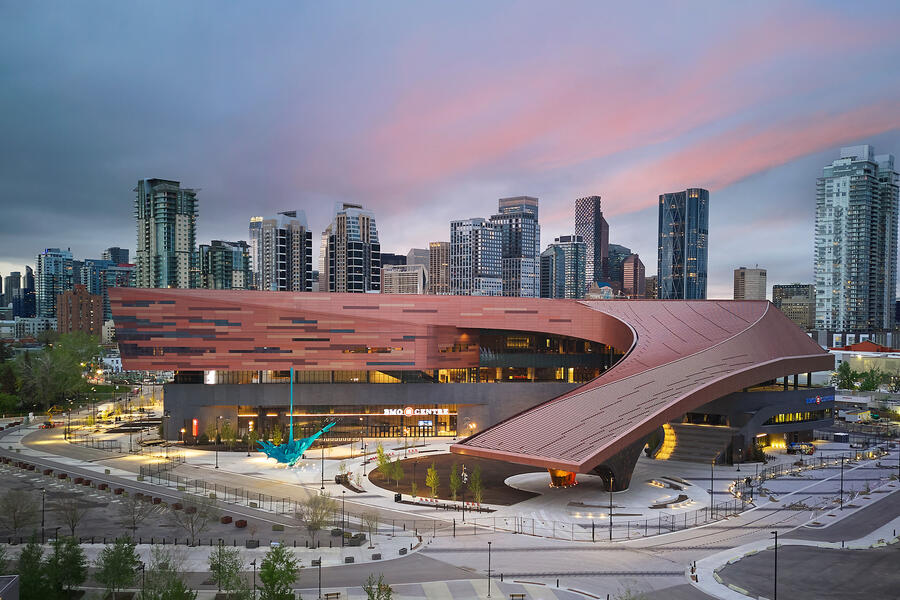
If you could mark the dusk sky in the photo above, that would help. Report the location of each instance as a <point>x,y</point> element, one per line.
<point>427,112</point>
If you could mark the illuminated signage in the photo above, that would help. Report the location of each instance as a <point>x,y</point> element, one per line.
<point>820,399</point>
<point>409,411</point>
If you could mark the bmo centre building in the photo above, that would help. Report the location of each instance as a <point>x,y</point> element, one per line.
<point>570,386</point>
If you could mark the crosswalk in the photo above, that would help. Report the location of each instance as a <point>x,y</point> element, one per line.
<point>468,589</point>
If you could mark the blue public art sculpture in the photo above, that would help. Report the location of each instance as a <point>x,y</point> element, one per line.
<point>291,451</point>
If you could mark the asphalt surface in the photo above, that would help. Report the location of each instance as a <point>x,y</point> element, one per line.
<point>810,573</point>
<point>856,525</point>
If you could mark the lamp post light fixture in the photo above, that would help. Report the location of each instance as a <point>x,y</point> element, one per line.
<point>712,471</point>
<point>219,418</point>
<point>365,460</point>
<point>740,458</point>
<point>182,436</point>
<point>775,578</point>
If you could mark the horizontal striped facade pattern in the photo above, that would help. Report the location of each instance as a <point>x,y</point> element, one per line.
<point>679,355</point>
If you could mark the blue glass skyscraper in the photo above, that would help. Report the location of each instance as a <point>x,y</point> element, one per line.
<point>683,244</point>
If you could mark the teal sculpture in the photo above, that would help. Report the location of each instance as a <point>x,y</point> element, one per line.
<point>291,451</point>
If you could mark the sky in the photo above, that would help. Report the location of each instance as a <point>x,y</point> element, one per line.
<point>428,112</point>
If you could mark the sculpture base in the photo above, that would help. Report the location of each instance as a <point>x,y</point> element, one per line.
<point>562,479</point>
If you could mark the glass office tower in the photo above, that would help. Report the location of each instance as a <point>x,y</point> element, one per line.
<point>683,244</point>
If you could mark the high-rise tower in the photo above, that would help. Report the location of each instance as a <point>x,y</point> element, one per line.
<point>475,258</point>
<point>352,251</point>
<point>281,252</point>
<point>593,228</point>
<point>683,245</point>
<point>166,234</point>
<point>856,241</point>
<point>520,240</point>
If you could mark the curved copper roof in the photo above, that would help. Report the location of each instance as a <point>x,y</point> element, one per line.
<point>680,354</point>
<point>683,355</point>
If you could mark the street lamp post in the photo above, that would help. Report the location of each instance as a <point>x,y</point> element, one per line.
<point>365,460</point>
<point>489,569</point>
<point>254,578</point>
<point>611,480</point>
<point>740,458</point>
<point>320,578</point>
<point>166,415</point>
<point>217,440</point>
<point>712,470</point>
<point>323,465</point>
<point>775,579</point>
<point>842,482</point>
<point>343,503</point>
<point>465,480</point>
<point>43,494</point>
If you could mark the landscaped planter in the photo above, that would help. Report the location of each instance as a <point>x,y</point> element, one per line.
<point>225,520</point>
<point>78,480</point>
<point>240,524</point>
<point>177,506</point>
<point>157,500</point>
<point>103,486</point>
<point>48,471</point>
<point>251,544</point>
<point>61,476</point>
<point>118,491</point>
<point>86,483</point>
<point>277,527</point>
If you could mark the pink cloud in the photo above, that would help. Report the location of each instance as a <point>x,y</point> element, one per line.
<point>727,158</point>
<point>560,112</point>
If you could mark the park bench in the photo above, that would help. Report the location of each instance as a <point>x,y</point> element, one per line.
<point>332,595</point>
<point>517,597</point>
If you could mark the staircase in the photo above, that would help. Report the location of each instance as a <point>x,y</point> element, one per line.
<point>693,443</point>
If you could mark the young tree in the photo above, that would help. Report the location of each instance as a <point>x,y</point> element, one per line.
<point>225,565</point>
<point>455,482</point>
<point>227,433</point>
<point>66,566</point>
<point>9,383</point>
<point>381,458</point>
<point>196,515</point>
<point>164,580</point>
<point>370,521</point>
<point>4,560</point>
<point>71,511</point>
<point>870,380</point>
<point>476,486</point>
<point>277,435</point>
<point>377,589</point>
<point>117,565</point>
<point>134,510</point>
<point>396,470</point>
<point>278,573</point>
<point>432,480</point>
<point>33,584</point>
<point>314,512</point>
<point>845,377</point>
<point>18,510</point>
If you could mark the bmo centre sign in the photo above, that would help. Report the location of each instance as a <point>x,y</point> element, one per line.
<point>409,411</point>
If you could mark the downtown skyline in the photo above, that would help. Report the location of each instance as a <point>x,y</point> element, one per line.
<point>439,117</point>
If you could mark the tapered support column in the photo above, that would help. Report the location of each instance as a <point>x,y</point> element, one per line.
<point>620,468</point>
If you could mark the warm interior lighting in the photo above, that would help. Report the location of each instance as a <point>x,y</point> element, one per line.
<point>668,445</point>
